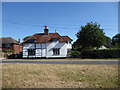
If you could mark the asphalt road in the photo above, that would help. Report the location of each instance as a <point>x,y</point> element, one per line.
<point>63,61</point>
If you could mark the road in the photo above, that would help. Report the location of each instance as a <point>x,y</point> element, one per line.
<point>62,61</point>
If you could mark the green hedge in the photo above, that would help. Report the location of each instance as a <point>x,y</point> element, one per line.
<point>9,50</point>
<point>106,53</point>
<point>75,53</point>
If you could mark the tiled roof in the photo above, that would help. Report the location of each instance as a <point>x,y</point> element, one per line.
<point>66,38</point>
<point>42,38</point>
<point>5,40</point>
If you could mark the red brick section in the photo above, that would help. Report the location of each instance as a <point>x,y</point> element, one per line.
<point>7,48</point>
<point>17,48</point>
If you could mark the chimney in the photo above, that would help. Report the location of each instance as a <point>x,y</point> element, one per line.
<point>18,40</point>
<point>46,30</point>
<point>55,31</point>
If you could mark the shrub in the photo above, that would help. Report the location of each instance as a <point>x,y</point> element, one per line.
<point>9,50</point>
<point>106,53</point>
<point>75,53</point>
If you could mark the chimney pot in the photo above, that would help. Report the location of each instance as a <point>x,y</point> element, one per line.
<point>46,27</point>
<point>46,30</point>
<point>18,40</point>
<point>55,31</point>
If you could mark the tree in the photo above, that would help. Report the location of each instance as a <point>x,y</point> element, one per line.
<point>90,36</point>
<point>75,49</point>
<point>108,41</point>
<point>25,38</point>
<point>116,40</point>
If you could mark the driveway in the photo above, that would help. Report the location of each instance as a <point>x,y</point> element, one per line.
<point>62,61</point>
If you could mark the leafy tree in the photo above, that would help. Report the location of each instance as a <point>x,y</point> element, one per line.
<point>108,41</point>
<point>76,49</point>
<point>116,40</point>
<point>25,38</point>
<point>75,45</point>
<point>90,36</point>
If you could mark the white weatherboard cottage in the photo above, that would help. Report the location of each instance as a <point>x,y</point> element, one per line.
<point>47,45</point>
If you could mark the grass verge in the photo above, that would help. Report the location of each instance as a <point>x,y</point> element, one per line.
<point>18,75</point>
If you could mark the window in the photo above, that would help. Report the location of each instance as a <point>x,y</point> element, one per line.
<point>31,52</point>
<point>55,39</point>
<point>8,45</point>
<point>31,41</point>
<point>56,51</point>
<point>3,46</point>
<point>69,42</point>
<point>68,52</point>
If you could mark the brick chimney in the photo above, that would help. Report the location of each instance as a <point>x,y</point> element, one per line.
<point>46,30</point>
<point>18,40</point>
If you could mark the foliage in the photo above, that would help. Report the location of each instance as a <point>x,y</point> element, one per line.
<point>25,38</point>
<point>106,53</point>
<point>90,36</point>
<point>15,56</point>
<point>108,41</point>
<point>116,40</point>
<point>9,50</point>
<point>75,53</point>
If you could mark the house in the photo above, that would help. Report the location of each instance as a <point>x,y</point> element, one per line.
<point>10,46</point>
<point>101,47</point>
<point>47,45</point>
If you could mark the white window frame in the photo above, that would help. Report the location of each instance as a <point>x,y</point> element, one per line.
<point>31,54</point>
<point>8,45</point>
<point>56,51</point>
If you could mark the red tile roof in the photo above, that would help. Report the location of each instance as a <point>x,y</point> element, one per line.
<point>5,40</point>
<point>66,38</point>
<point>42,38</point>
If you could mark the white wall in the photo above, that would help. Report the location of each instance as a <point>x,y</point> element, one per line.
<point>41,45</point>
<point>62,46</point>
<point>27,46</point>
<point>46,49</point>
<point>69,45</point>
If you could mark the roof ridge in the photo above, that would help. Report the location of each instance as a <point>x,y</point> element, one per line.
<point>66,36</point>
<point>14,41</point>
<point>6,37</point>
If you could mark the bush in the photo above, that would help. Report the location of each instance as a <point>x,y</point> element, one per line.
<point>106,53</point>
<point>75,53</point>
<point>15,56</point>
<point>9,50</point>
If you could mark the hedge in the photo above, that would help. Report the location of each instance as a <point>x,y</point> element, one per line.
<point>75,53</point>
<point>106,53</point>
<point>9,50</point>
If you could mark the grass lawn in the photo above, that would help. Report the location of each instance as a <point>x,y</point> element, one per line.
<point>18,75</point>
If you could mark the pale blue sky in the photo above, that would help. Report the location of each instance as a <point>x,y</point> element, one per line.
<point>22,19</point>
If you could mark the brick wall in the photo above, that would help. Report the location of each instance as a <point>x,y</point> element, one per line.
<point>17,48</point>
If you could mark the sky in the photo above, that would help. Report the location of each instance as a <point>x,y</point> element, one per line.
<point>21,19</point>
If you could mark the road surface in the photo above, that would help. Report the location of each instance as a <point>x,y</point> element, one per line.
<point>62,61</point>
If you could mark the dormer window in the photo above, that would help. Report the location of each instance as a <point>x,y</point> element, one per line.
<point>31,41</point>
<point>68,42</point>
<point>55,39</point>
